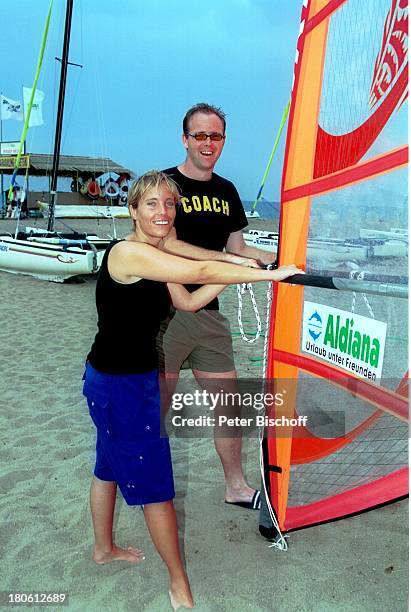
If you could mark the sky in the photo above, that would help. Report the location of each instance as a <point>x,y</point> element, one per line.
<point>145,62</point>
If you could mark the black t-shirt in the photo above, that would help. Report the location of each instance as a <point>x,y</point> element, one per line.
<point>129,317</point>
<point>209,212</point>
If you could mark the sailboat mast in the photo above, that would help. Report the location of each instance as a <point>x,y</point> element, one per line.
<point>60,112</point>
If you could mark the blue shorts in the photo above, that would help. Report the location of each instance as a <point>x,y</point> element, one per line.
<point>130,450</point>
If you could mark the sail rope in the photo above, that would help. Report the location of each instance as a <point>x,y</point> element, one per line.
<point>359,275</point>
<point>270,159</point>
<point>241,289</point>
<point>280,540</point>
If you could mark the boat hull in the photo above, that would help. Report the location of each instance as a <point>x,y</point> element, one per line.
<point>252,214</point>
<point>91,211</point>
<point>48,261</point>
<point>338,251</point>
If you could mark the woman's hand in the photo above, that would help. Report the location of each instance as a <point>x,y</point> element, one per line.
<point>284,272</point>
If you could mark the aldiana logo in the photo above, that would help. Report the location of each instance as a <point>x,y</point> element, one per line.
<point>315,326</point>
<point>343,336</point>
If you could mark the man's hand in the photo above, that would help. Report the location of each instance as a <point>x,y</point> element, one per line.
<point>241,261</point>
<point>236,244</point>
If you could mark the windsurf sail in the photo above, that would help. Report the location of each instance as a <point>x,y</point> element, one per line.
<point>340,358</point>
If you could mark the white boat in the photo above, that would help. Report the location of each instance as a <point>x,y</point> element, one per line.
<point>390,248</point>
<point>51,257</point>
<point>91,211</point>
<point>393,234</point>
<point>337,251</point>
<point>373,243</point>
<point>252,214</point>
<point>261,238</point>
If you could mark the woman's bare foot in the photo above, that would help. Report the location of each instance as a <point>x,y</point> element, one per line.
<point>180,594</point>
<point>132,555</point>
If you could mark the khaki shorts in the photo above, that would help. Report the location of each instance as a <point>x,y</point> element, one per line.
<point>201,339</point>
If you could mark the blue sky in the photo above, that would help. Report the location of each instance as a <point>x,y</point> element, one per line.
<point>144,63</point>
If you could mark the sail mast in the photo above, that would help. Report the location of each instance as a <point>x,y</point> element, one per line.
<point>60,112</point>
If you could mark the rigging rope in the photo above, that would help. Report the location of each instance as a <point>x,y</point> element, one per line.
<point>357,275</point>
<point>270,159</point>
<point>241,289</point>
<point>30,104</point>
<point>280,541</point>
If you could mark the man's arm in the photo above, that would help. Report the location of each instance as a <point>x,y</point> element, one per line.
<point>236,244</point>
<point>171,244</point>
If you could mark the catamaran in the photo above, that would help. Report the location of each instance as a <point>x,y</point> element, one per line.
<point>49,254</point>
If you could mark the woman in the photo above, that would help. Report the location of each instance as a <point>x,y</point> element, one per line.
<point>133,292</point>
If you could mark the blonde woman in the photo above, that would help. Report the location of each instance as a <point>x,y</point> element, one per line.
<point>136,284</point>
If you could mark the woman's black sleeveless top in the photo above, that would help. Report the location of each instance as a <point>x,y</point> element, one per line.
<point>129,318</point>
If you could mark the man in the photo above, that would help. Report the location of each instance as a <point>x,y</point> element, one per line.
<point>209,225</point>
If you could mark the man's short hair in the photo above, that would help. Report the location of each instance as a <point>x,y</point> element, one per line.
<point>207,109</point>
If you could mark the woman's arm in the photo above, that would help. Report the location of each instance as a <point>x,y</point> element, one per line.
<point>172,245</point>
<point>130,260</point>
<point>184,300</point>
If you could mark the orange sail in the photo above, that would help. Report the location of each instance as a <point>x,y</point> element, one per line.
<point>341,360</point>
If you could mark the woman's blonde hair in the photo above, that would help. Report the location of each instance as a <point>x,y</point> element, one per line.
<point>150,180</point>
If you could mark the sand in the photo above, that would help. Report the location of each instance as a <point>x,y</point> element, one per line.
<point>46,454</point>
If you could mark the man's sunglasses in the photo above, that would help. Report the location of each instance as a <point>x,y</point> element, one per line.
<point>202,136</point>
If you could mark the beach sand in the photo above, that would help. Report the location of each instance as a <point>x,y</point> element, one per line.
<point>46,454</point>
